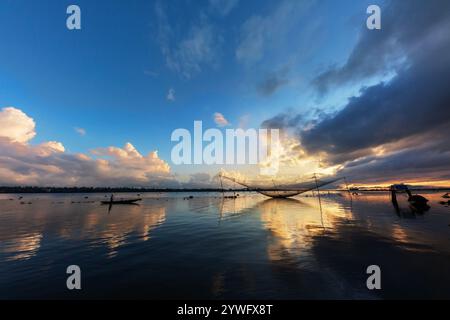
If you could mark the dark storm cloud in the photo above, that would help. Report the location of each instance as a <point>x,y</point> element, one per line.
<point>409,116</point>
<point>414,102</point>
<point>405,24</point>
<point>424,163</point>
<point>282,121</point>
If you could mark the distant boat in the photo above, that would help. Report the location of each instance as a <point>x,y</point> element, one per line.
<point>122,201</point>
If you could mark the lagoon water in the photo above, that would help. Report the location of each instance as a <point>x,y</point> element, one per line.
<point>207,247</point>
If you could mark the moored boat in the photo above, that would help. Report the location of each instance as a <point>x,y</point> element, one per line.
<point>122,201</point>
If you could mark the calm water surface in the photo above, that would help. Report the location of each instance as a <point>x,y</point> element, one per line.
<point>207,247</point>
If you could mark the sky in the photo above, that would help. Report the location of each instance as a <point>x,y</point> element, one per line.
<point>97,106</point>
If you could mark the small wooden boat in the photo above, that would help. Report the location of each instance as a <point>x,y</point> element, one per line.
<point>122,201</point>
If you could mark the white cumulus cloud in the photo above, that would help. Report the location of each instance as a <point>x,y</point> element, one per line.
<point>48,163</point>
<point>16,125</point>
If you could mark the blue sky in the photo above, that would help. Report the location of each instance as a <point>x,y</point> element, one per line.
<point>250,61</point>
<point>112,78</point>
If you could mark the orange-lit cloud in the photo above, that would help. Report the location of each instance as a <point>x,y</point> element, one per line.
<point>220,120</point>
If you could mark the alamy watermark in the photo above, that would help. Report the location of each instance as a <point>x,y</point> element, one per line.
<point>73,282</point>
<point>238,146</point>
<point>374,280</point>
<point>373,22</point>
<point>73,21</point>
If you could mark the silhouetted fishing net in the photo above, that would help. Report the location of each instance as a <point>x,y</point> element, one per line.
<point>283,190</point>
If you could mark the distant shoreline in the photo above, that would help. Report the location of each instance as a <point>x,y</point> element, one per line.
<point>49,190</point>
